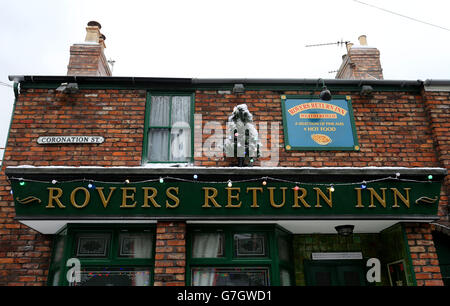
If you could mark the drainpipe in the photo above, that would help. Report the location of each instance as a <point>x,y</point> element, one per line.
<point>16,96</point>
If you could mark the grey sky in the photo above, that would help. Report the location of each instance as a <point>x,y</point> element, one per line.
<point>245,38</point>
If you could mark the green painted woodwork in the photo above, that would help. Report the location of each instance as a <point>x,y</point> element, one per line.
<point>112,260</point>
<point>183,199</point>
<point>147,125</point>
<point>388,246</point>
<point>395,248</point>
<point>305,245</point>
<point>442,244</point>
<point>272,261</point>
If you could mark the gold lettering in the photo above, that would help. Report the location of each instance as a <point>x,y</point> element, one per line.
<point>358,197</point>
<point>397,193</point>
<point>320,194</point>
<point>86,198</point>
<point>126,196</point>
<point>210,197</point>
<point>272,202</point>
<point>301,198</point>
<point>233,196</point>
<point>172,197</point>
<point>52,197</point>
<point>374,194</point>
<point>102,196</point>
<point>255,195</point>
<point>151,197</point>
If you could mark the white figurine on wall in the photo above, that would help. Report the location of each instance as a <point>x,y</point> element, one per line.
<point>242,137</point>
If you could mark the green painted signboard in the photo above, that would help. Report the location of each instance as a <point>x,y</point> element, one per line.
<point>250,200</point>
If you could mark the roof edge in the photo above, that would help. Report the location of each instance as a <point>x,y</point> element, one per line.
<point>123,80</point>
<point>356,171</point>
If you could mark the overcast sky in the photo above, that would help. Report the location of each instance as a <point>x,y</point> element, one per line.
<point>208,38</point>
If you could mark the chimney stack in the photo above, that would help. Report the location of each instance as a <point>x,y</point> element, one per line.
<point>88,58</point>
<point>361,62</point>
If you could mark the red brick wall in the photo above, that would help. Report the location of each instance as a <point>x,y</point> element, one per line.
<point>170,255</point>
<point>117,115</point>
<point>393,129</point>
<point>438,109</point>
<point>88,59</point>
<point>361,63</point>
<point>423,255</point>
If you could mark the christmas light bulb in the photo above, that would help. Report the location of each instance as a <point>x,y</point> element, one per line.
<point>161,180</point>
<point>230,184</point>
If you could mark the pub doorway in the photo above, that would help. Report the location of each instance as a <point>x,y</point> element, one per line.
<point>335,273</point>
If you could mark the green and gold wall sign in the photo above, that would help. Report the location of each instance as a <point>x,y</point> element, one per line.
<point>252,200</point>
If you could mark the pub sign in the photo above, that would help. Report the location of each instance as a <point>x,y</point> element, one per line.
<point>313,124</point>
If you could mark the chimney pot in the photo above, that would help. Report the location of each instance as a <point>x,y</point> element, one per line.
<point>349,46</point>
<point>89,58</point>
<point>363,40</point>
<point>94,24</point>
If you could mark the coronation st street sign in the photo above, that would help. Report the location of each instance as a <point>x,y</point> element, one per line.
<point>47,140</point>
<point>198,199</point>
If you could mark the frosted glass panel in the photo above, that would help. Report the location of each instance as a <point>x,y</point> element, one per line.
<point>160,111</point>
<point>207,245</point>
<point>181,110</point>
<point>95,245</point>
<point>249,245</point>
<point>180,144</point>
<point>169,135</point>
<point>158,140</point>
<point>135,245</point>
<point>285,278</point>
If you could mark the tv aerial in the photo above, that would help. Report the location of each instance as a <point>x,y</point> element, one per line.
<point>339,43</point>
<point>111,62</point>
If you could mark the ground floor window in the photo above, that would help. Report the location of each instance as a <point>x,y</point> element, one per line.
<point>239,255</point>
<point>103,256</point>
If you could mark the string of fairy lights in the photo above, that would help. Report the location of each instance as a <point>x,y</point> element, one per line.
<point>264,180</point>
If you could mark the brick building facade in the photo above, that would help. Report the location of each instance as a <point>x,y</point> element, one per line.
<point>402,132</point>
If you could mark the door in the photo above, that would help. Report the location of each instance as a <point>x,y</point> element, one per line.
<point>334,273</point>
